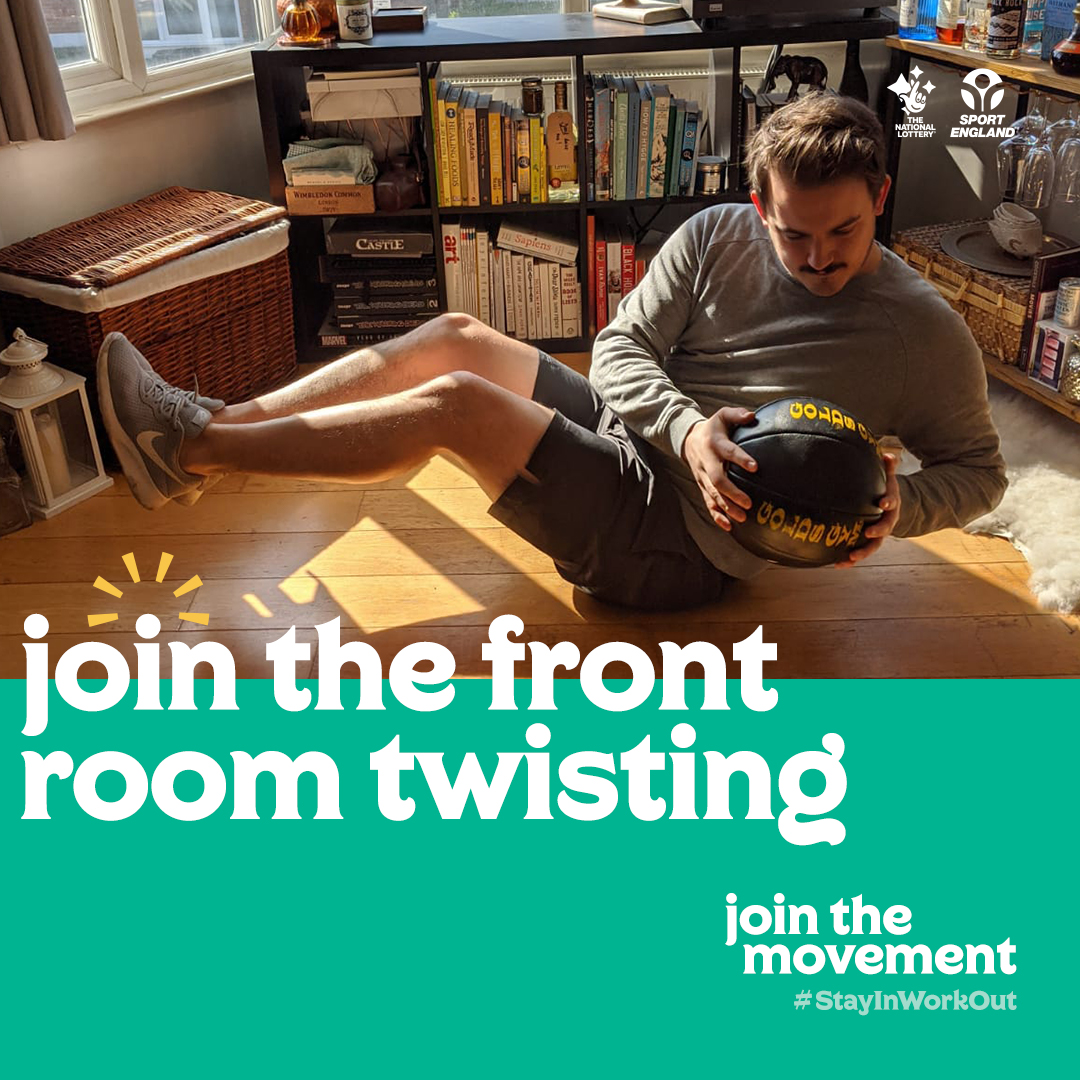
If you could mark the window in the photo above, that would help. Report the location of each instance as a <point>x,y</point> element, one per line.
<point>115,52</point>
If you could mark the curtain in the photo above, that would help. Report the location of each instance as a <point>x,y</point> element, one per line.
<point>32,100</point>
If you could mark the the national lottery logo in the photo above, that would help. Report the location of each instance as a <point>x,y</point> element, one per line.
<point>913,93</point>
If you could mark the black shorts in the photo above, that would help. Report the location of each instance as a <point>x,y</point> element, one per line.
<point>609,520</point>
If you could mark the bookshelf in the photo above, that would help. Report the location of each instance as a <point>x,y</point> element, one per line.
<point>585,42</point>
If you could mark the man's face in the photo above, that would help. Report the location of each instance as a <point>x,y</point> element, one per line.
<point>823,235</point>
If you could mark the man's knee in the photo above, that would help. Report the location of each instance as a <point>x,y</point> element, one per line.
<point>454,329</point>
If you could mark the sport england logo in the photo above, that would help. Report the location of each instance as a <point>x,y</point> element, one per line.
<point>913,93</point>
<point>984,124</point>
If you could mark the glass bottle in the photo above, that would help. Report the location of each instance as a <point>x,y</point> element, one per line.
<point>853,81</point>
<point>300,22</point>
<point>950,27</point>
<point>975,20</point>
<point>1065,59</point>
<point>1033,28</point>
<point>561,158</point>
<point>918,20</point>
<point>1005,30</point>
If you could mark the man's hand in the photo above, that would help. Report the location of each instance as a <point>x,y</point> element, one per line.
<point>706,449</point>
<point>890,503</point>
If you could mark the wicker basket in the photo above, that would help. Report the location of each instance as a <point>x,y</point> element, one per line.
<point>232,330</point>
<point>993,305</point>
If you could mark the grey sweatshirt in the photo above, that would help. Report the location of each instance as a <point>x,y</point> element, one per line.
<point>719,321</point>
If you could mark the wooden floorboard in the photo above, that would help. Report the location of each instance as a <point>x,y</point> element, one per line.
<point>419,558</point>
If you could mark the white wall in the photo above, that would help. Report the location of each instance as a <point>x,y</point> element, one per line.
<point>210,140</point>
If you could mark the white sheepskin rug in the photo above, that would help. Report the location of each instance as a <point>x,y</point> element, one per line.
<point>1040,513</point>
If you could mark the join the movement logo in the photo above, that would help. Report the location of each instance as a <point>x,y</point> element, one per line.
<point>913,93</point>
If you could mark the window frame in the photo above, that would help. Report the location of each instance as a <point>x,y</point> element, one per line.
<point>120,80</point>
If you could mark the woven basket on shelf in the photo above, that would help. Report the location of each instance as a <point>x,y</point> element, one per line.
<point>993,305</point>
<point>232,330</point>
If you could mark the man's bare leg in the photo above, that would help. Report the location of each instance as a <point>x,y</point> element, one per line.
<point>446,344</point>
<point>494,431</point>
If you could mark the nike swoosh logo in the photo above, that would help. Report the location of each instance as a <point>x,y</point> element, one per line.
<point>146,440</point>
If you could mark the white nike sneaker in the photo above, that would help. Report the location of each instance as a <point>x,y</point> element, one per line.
<point>147,421</point>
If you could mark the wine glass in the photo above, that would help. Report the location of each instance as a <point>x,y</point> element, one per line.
<point>1010,157</point>
<point>1036,179</point>
<point>1065,128</point>
<point>1067,179</point>
<point>1034,123</point>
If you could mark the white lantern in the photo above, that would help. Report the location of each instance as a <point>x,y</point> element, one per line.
<point>46,407</point>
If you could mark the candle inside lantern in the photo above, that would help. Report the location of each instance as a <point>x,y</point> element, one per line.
<point>52,452</point>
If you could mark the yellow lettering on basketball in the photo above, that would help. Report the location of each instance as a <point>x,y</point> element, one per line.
<point>795,409</point>
<point>810,411</point>
<point>777,519</point>
<point>764,512</point>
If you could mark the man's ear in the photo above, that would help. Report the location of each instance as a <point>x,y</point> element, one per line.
<point>759,206</point>
<point>883,194</point>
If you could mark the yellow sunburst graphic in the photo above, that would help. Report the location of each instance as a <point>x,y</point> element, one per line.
<point>164,562</point>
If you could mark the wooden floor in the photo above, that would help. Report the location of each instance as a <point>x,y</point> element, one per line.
<point>419,558</point>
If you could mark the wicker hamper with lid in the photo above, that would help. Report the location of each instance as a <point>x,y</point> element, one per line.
<point>993,305</point>
<point>198,280</point>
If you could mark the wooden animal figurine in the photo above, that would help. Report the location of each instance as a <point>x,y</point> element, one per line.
<point>801,70</point>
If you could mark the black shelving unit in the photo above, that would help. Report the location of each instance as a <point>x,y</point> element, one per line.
<point>280,76</point>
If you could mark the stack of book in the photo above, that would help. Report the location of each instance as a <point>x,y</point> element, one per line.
<point>641,142</point>
<point>383,282</point>
<point>617,263</point>
<point>521,282</point>
<point>490,152</point>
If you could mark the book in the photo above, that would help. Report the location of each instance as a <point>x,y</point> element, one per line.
<point>384,305</point>
<point>322,178</point>
<point>358,290</point>
<point>676,120</point>
<point>529,267</point>
<point>537,173</point>
<point>590,250</point>
<point>590,138</point>
<point>686,156</point>
<point>626,250</point>
<point>571,302</point>
<point>614,270</point>
<point>451,238</point>
<point>554,297</point>
<point>506,258</point>
<point>522,151</point>
<point>453,143</point>
<point>538,314</point>
<point>347,237</point>
<point>634,101</point>
<point>1040,306</point>
<point>498,293</point>
<point>470,180</point>
<point>532,242</point>
<point>661,122</point>
<point>410,18</point>
<point>520,305</point>
<point>1046,274</point>
<point>602,136</point>
<point>544,299</point>
<point>377,275</point>
<point>644,143</point>
<point>483,107</point>
<point>495,151</point>
<point>483,279</point>
<point>601,283</point>
<point>618,159</point>
<point>509,155</point>
<point>443,151</point>
<point>390,325</point>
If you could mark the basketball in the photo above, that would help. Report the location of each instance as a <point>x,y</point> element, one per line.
<point>817,484</point>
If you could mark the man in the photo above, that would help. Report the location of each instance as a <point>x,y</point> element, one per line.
<point>623,483</point>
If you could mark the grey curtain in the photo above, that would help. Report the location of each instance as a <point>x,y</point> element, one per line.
<point>32,100</point>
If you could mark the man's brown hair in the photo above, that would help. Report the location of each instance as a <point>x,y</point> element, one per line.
<point>818,138</point>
